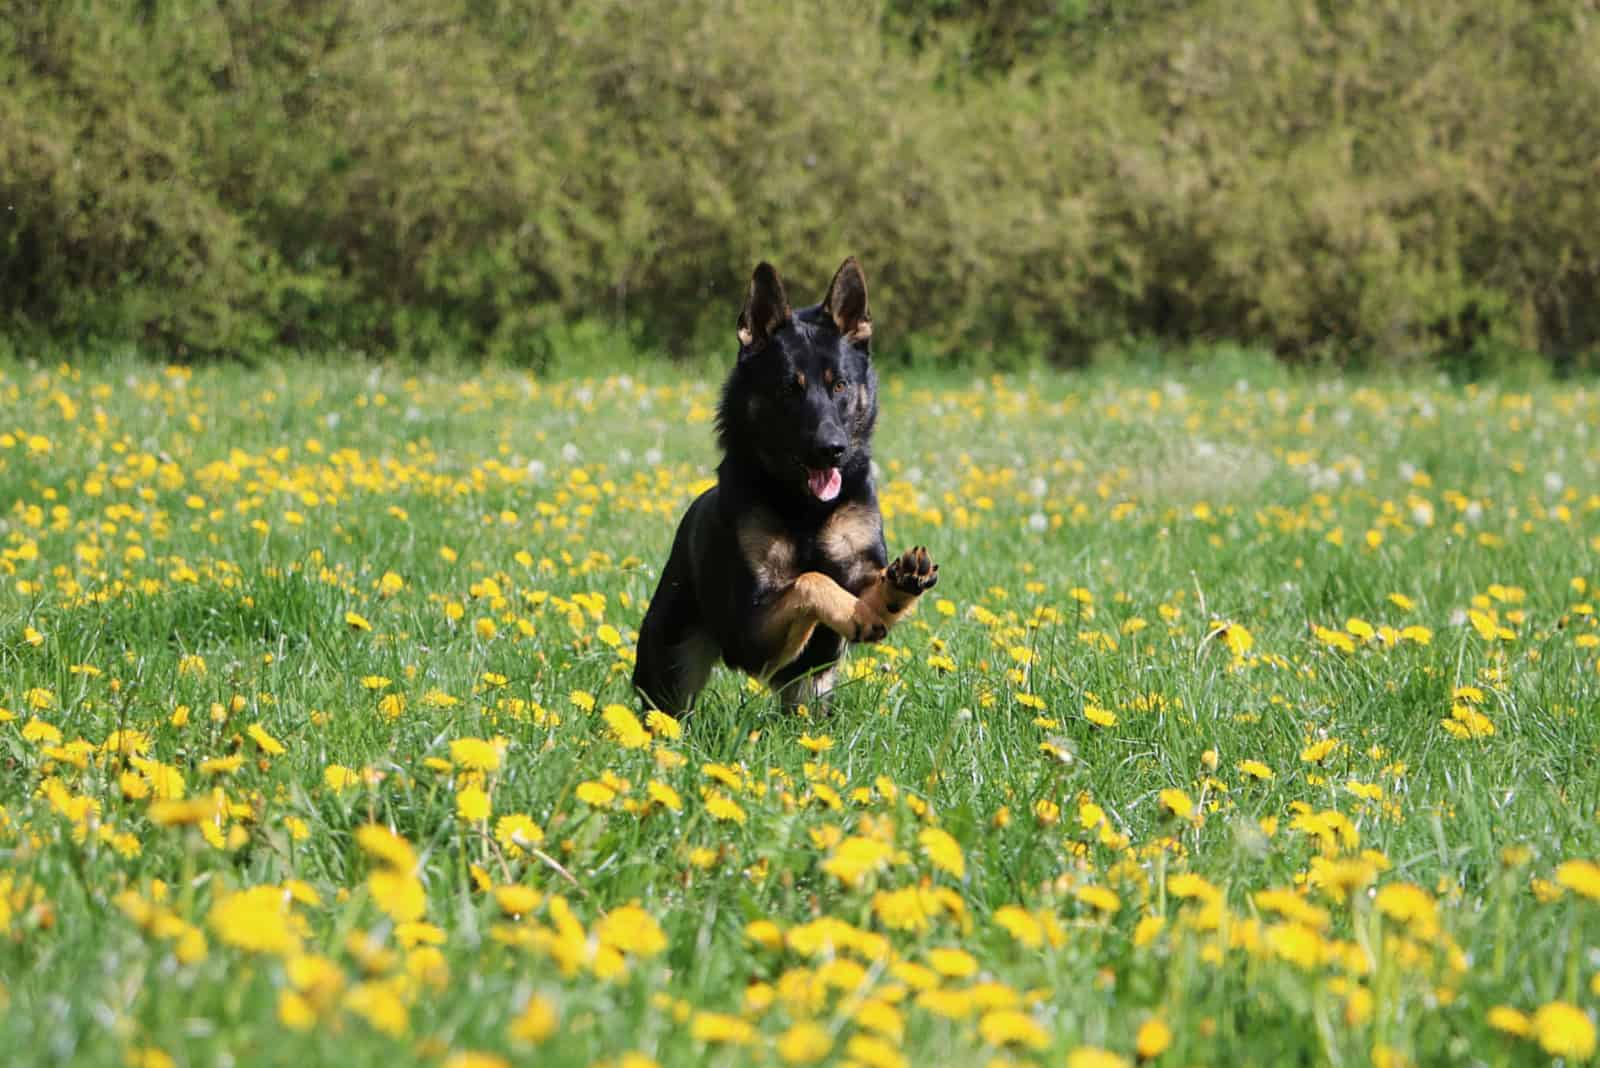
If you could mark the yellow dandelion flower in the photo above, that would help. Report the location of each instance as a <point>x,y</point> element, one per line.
<point>819,744</point>
<point>804,1043</point>
<point>943,850</point>
<point>383,845</point>
<point>1255,769</point>
<point>597,794</point>
<point>1564,1030</point>
<point>266,742</point>
<point>630,929</point>
<point>723,808</point>
<point>663,725</point>
<point>222,765</point>
<point>473,804</point>
<point>1177,803</point>
<point>952,963</point>
<point>256,920</point>
<point>1153,1038</point>
<point>536,1022</point>
<point>474,1059</point>
<point>399,894</point>
<point>356,621</point>
<point>379,1004</point>
<point>516,832</point>
<point>475,754</point>
<point>855,858</point>
<point>1099,716</point>
<point>1581,877</point>
<point>625,728</point>
<point>516,899</point>
<point>721,1027</point>
<point>874,1052</point>
<point>664,795</point>
<point>1509,1021</point>
<point>1020,924</point>
<point>1099,898</point>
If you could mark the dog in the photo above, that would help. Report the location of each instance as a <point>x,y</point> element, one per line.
<point>783,561</point>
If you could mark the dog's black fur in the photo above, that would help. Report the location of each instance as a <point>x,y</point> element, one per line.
<point>783,561</point>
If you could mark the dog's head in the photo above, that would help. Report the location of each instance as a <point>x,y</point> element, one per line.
<point>803,396</point>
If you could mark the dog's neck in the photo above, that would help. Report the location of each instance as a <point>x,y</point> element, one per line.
<point>745,482</point>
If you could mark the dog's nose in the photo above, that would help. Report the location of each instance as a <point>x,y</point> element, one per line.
<point>828,453</point>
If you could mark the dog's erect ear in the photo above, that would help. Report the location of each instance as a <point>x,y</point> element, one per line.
<point>766,308</point>
<point>846,303</point>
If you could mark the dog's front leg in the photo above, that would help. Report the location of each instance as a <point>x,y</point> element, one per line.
<point>812,599</point>
<point>895,592</point>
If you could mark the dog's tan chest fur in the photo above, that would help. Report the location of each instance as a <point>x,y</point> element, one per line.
<point>769,554</point>
<point>847,540</point>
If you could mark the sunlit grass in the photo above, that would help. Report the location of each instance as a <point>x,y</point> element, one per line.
<point>1253,720</point>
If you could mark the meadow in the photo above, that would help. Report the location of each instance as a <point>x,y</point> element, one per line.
<point>1253,722</point>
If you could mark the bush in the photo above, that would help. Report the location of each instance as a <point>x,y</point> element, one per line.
<point>1373,180</point>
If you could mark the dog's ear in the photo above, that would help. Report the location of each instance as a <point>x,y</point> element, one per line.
<point>766,309</point>
<point>846,303</point>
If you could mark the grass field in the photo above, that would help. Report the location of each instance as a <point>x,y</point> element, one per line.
<point>1254,721</point>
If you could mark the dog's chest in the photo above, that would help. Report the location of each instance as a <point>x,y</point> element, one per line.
<point>842,548</point>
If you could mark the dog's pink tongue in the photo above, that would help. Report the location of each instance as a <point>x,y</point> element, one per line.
<point>824,484</point>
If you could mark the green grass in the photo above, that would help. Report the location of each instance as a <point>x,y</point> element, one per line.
<point>163,518</point>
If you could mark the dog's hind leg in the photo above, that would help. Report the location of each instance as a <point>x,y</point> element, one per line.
<point>672,673</point>
<point>675,654</point>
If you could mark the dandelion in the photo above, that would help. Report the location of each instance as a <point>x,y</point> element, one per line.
<point>855,858</point>
<point>536,1022</point>
<point>386,847</point>
<point>475,754</point>
<point>664,795</point>
<point>820,744</point>
<point>597,794</point>
<point>1094,1057</point>
<point>1099,716</point>
<point>625,728</point>
<point>1255,769</point>
<point>1099,898</point>
<point>1581,877</point>
<point>944,851</point>
<point>1153,1038</point>
<point>721,1027</point>
<point>356,621</point>
<point>266,742</point>
<point>1564,1030</point>
<point>472,804</point>
<point>663,725</point>
<point>1008,1027</point>
<point>804,1043</point>
<point>632,930</point>
<point>1176,803</point>
<point>1509,1021</point>
<point>256,920</point>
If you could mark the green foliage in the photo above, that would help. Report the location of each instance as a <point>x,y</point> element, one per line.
<point>1373,181</point>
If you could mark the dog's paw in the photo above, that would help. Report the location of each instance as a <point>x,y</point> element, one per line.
<point>869,626</point>
<point>913,573</point>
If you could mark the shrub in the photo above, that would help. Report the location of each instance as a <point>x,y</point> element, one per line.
<point>1373,180</point>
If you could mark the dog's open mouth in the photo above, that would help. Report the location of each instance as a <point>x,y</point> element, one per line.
<point>824,485</point>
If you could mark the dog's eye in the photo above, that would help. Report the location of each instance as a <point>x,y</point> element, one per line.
<point>838,385</point>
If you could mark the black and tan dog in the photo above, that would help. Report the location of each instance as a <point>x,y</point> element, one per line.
<point>783,561</point>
